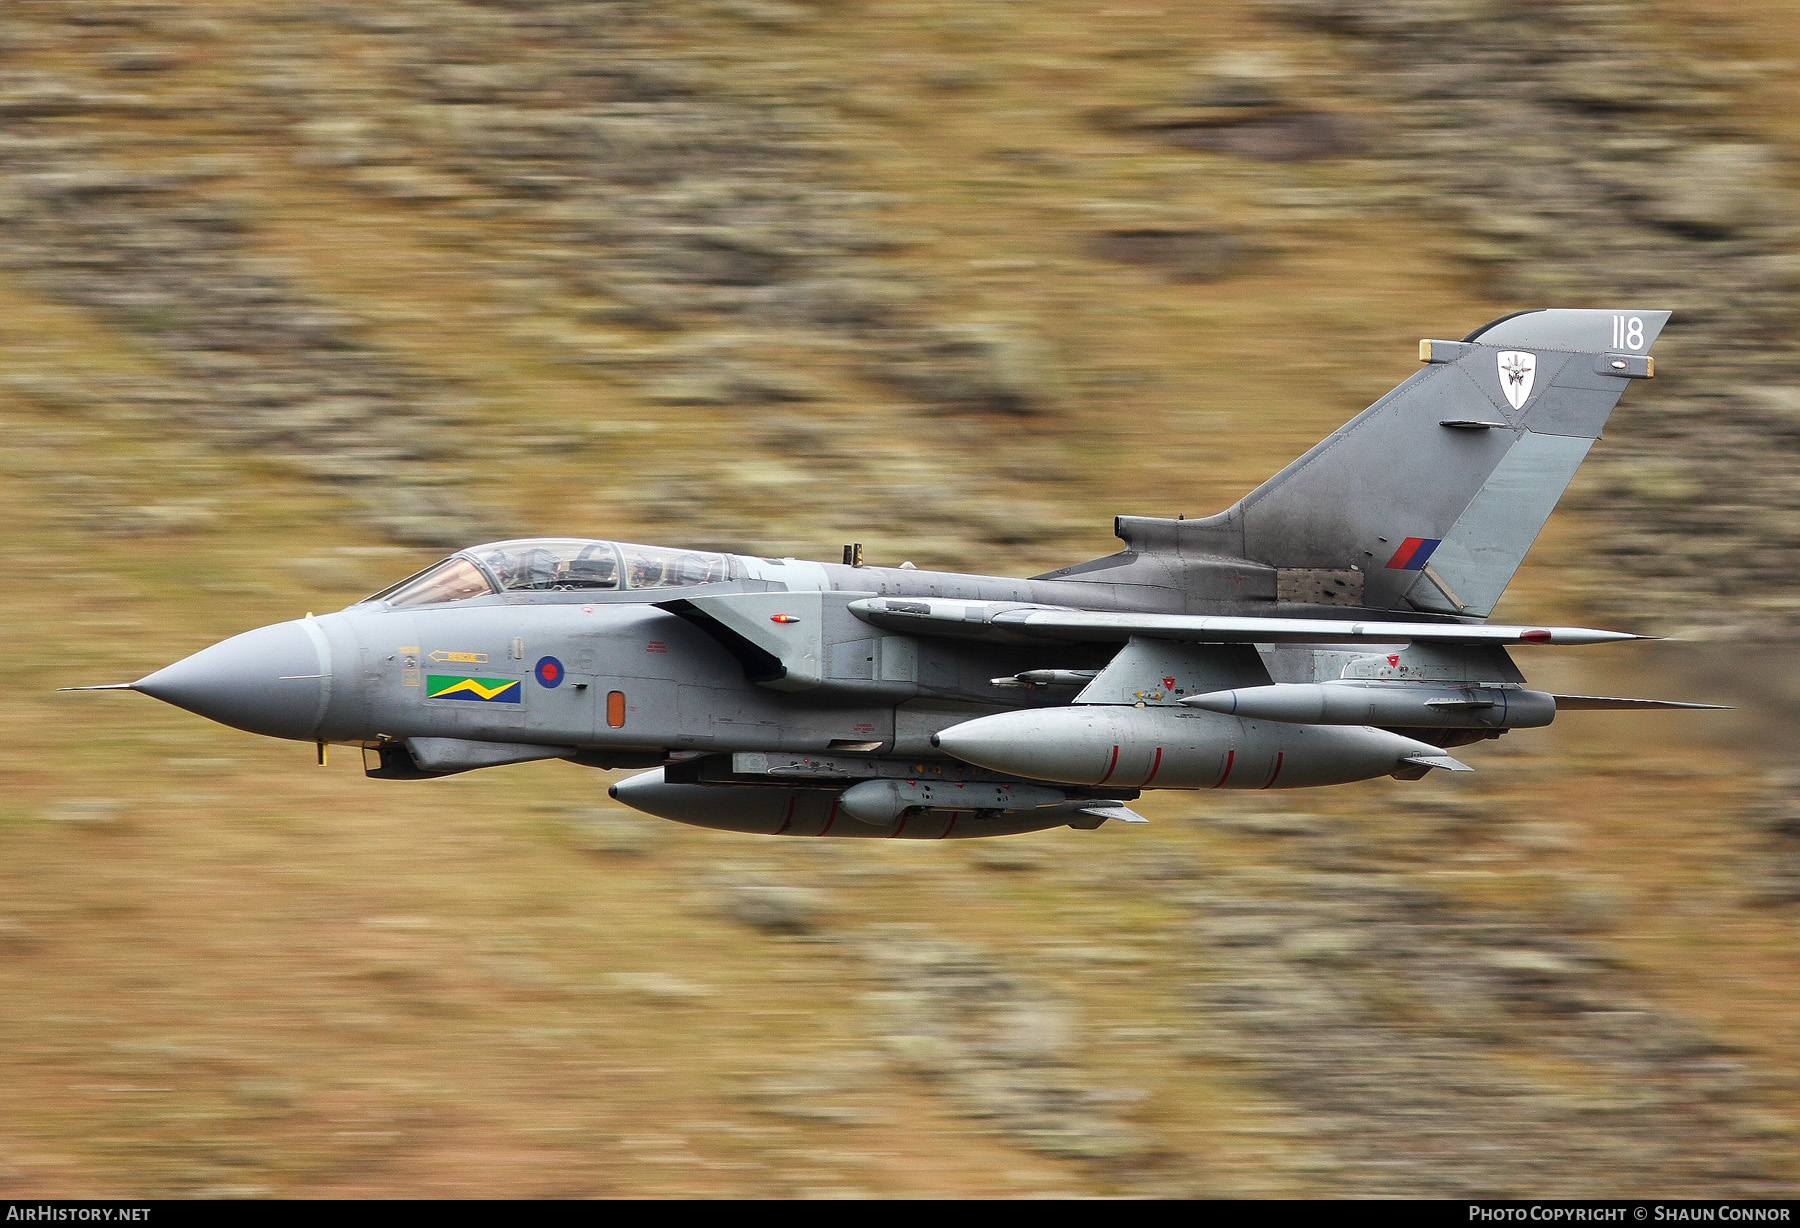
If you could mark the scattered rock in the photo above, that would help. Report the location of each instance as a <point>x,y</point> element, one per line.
<point>609,833</point>
<point>1285,136</point>
<point>1276,823</point>
<point>143,60</point>
<point>635,189</point>
<point>1180,255</point>
<point>1243,104</point>
<point>1588,167</point>
<point>1242,80</point>
<point>769,14</point>
<point>659,987</point>
<point>774,910</point>
<point>1375,1009</point>
<point>1775,821</point>
<point>999,1046</point>
<point>1714,191</point>
<point>975,368</point>
<point>832,1089</point>
<point>1008,856</point>
<point>94,810</point>
<point>16,938</point>
<point>265,1093</point>
<point>921,1055</point>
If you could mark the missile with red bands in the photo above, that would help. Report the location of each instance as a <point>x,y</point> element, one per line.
<point>1403,704</point>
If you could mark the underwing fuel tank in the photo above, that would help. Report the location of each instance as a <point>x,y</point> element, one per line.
<point>1178,748</point>
<point>882,801</point>
<point>779,810</point>
<point>1394,703</point>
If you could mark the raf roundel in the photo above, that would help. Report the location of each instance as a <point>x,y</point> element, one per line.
<point>549,673</point>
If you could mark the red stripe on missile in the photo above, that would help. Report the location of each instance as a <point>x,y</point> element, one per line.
<point>792,798</point>
<point>1110,766</point>
<point>949,827</point>
<point>1154,768</point>
<point>1230,755</point>
<point>1275,775</point>
<point>830,818</point>
<point>899,827</point>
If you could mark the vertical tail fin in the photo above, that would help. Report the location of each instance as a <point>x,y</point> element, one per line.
<point>1435,492</point>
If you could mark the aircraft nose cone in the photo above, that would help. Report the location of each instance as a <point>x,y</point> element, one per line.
<point>273,681</point>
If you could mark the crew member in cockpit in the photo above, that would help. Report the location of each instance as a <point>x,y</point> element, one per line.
<point>594,567</point>
<point>647,570</point>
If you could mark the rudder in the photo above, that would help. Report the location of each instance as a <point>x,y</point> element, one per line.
<point>1435,492</point>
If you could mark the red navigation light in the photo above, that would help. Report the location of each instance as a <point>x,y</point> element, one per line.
<point>783,618</point>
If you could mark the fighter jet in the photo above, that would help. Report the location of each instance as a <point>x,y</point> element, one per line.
<point>1329,627</point>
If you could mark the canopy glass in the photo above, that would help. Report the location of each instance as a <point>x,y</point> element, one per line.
<point>556,564</point>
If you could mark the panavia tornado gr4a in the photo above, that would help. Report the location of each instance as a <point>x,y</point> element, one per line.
<point>1328,628</point>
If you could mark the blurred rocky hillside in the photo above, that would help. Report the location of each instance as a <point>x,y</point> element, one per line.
<point>666,221</point>
<point>293,295</point>
<point>1589,162</point>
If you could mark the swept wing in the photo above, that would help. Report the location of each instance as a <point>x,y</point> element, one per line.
<point>967,619</point>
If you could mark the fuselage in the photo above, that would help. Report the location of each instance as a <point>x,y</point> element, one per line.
<point>1330,626</point>
<point>627,676</point>
<point>771,695</point>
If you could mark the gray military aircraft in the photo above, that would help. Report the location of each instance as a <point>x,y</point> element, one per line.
<point>1329,627</point>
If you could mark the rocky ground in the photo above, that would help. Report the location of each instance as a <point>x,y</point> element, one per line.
<point>1441,1050</point>
<point>646,218</point>
<point>298,293</point>
<point>668,220</point>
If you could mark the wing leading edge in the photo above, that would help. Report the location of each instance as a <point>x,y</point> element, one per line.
<point>1608,703</point>
<point>979,619</point>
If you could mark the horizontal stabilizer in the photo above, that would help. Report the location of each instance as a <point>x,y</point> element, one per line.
<point>1606,703</point>
<point>1446,762</point>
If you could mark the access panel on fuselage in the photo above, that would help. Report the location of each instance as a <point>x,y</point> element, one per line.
<point>750,718</point>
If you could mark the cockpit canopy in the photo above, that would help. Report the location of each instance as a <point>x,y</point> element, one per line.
<point>555,564</point>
